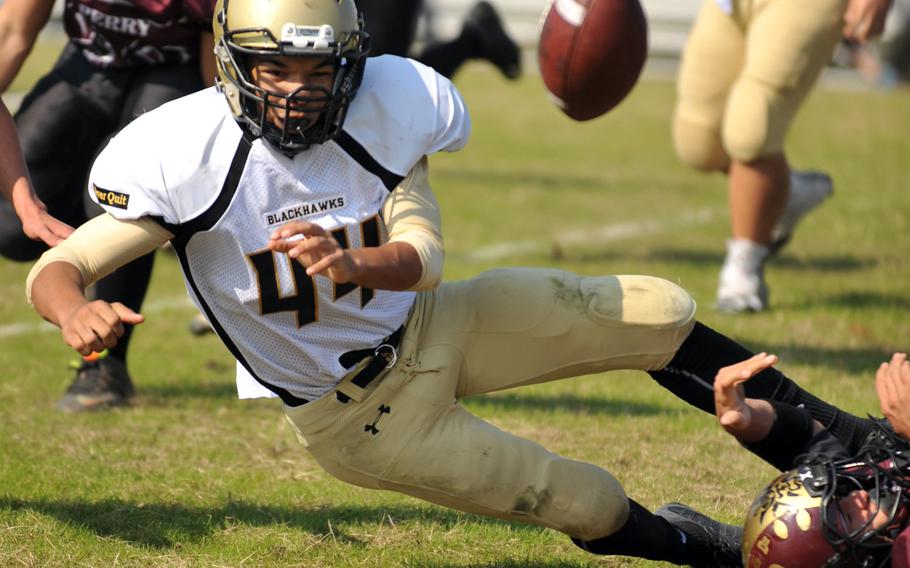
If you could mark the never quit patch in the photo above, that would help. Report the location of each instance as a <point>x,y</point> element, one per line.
<point>112,198</point>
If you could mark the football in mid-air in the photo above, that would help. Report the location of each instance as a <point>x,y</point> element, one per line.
<point>591,53</point>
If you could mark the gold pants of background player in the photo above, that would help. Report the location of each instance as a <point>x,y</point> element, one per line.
<point>745,75</point>
<point>502,329</point>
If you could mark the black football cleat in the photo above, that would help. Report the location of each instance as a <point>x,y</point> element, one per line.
<point>99,384</point>
<point>494,44</point>
<point>712,544</point>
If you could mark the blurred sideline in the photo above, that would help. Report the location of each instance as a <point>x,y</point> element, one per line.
<point>656,69</point>
<point>669,22</point>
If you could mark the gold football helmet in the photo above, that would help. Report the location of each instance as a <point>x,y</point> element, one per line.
<point>331,29</point>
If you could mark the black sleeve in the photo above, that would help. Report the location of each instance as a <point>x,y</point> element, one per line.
<point>791,439</point>
<point>823,447</point>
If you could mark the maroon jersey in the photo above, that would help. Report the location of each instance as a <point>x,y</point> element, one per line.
<point>135,33</point>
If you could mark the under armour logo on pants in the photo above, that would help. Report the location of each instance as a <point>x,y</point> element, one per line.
<point>371,428</point>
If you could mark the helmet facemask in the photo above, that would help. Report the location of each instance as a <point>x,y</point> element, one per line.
<point>882,473</point>
<point>256,108</point>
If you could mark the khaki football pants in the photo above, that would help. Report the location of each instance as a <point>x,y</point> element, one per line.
<point>505,328</point>
<point>745,75</point>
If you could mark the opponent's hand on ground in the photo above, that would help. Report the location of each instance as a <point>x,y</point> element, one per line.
<point>97,325</point>
<point>892,381</point>
<point>729,398</point>
<point>318,251</point>
<point>865,19</point>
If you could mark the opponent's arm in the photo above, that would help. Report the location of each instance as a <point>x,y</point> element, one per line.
<point>411,258</point>
<point>20,22</point>
<point>56,284</point>
<point>14,185</point>
<point>748,419</point>
<point>775,431</point>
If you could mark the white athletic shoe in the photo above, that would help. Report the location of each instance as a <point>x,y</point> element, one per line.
<point>742,285</point>
<point>807,191</point>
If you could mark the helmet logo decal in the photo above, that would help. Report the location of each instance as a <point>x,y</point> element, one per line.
<point>803,520</point>
<point>302,37</point>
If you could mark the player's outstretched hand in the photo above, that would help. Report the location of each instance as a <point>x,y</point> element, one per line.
<point>97,325</point>
<point>729,399</point>
<point>892,381</point>
<point>318,250</point>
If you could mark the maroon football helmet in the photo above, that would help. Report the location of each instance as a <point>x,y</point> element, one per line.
<point>797,520</point>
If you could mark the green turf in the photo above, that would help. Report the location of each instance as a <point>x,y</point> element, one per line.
<point>193,477</point>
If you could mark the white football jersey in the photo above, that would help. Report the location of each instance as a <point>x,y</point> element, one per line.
<point>189,166</point>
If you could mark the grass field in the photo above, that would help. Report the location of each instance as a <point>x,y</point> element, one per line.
<point>193,477</point>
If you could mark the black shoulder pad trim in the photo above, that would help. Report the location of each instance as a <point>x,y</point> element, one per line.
<point>353,148</point>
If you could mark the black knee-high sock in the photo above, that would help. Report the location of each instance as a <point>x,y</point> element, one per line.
<point>690,376</point>
<point>128,286</point>
<point>644,536</point>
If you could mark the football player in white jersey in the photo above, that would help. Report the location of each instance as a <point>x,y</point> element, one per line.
<point>309,237</point>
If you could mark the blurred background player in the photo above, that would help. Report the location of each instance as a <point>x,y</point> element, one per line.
<point>122,59</point>
<point>746,69</point>
<point>393,27</point>
<point>884,64</point>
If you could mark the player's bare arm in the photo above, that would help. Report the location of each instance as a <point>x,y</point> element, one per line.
<point>865,19</point>
<point>37,223</point>
<point>20,22</point>
<point>392,266</point>
<point>748,419</point>
<point>892,381</point>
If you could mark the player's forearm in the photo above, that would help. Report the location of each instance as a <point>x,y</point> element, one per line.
<point>14,48</point>
<point>56,291</point>
<point>20,22</point>
<point>12,63</point>
<point>392,266</point>
<point>13,179</point>
<point>14,183</point>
